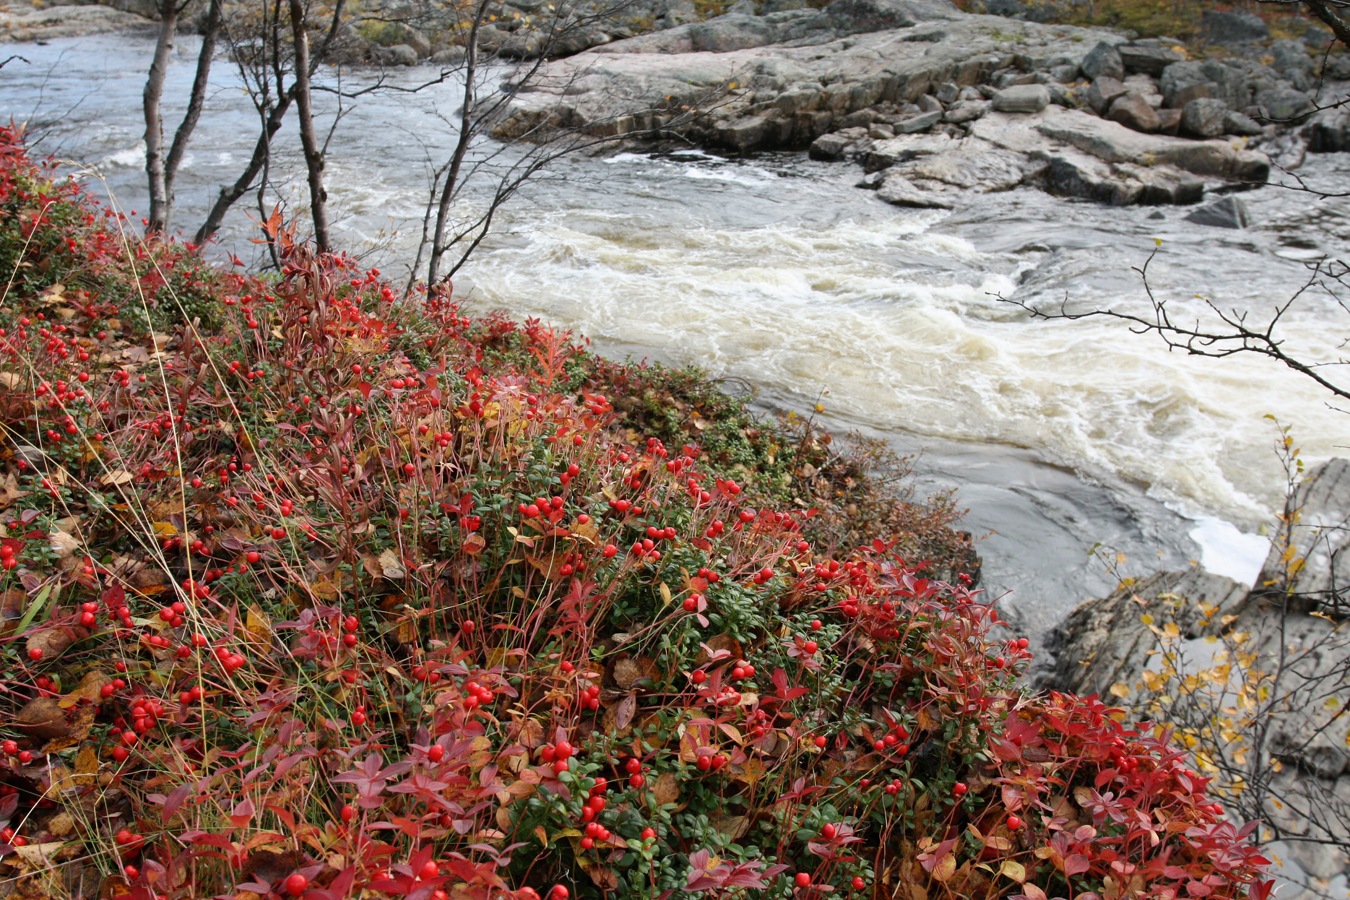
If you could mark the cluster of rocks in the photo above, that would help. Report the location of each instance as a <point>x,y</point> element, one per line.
<point>1295,626</point>
<point>934,101</point>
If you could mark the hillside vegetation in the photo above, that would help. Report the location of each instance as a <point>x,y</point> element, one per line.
<point>311,590</point>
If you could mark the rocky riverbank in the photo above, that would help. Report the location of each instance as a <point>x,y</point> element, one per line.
<point>1255,678</point>
<point>934,102</point>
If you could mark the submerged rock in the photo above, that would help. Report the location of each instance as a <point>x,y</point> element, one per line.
<point>1226,212</point>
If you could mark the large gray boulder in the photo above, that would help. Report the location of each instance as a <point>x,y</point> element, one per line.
<point>900,191</point>
<point>1022,98</point>
<point>1182,82</point>
<point>1283,104</point>
<point>1147,58</point>
<point>1204,118</point>
<point>1103,60</point>
<point>1114,143</point>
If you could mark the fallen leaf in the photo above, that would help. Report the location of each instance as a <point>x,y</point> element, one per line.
<point>42,718</point>
<point>52,642</point>
<point>116,478</point>
<point>89,688</point>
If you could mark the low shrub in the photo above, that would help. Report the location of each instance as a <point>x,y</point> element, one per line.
<point>352,596</point>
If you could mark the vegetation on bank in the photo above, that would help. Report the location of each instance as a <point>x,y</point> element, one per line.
<point>310,590</point>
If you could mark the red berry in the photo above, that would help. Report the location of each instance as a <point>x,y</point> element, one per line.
<point>296,884</point>
<point>35,654</point>
<point>803,879</point>
<point>858,883</point>
<point>959,789</point>
<point>429,870</point>
<point>1014,823</point>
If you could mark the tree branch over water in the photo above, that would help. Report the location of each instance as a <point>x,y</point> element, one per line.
<point>1230,331</point>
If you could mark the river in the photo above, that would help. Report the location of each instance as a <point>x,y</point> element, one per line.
<point>777,271</point>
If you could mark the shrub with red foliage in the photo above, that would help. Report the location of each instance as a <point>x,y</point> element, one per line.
<point>357,596</point>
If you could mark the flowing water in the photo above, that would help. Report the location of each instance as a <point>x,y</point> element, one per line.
<point>777,271</point>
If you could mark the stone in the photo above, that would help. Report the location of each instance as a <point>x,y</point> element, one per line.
<point>1014,79</point>
<point>971,165</point>
<point>397,55</point>
<point>1232,26</point>
<point>1134,112</point>
<point>900,191</point>
<point>1226,212</point>
<point>1103,60</point>
<point>1064,95</point>
<point>1329,131</point>
<point>829,147</point>
<point>1144,87</point>
<point>1103,92</point>
<point>947,93</point>
<point>1284,105</point>
<point>1147,59</point>
<point>1027,98</point>
<point>880,131</point>
<point>901,149</point>
<point>1204,118</point>
<point>1114,143</point>
<point>1237,123</point>
<point>1103,642</point>
<point>929,103</point>
<point>1182,82</point>
<point>965,111</point>
<point>1320,537</point>
<point>921,122</point>
<point>1291,60</point>
<point>1065,74</point>
<point>1169,121</point>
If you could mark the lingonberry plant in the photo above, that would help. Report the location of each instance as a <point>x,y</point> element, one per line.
<point>348,595</point>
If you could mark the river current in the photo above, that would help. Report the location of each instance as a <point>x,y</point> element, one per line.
<point>778,272</point>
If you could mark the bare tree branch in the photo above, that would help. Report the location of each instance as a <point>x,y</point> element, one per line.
<point>1233,332</point>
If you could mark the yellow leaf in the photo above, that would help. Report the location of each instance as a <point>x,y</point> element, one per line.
<point>165,529</point>
<point>945,868</point>
<point>258,625</point>
<point>1014,870</point>
<point>1146,618</point>
<point>1120,689</point>
<point>39,855</point>
<point>115,478</point>
<point>665,593</point>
